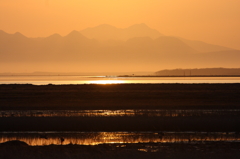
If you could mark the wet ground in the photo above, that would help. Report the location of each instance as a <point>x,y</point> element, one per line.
<point>120,121</point>
<point>120,96</point>
<point>206,150</point>
<point>96,138</point>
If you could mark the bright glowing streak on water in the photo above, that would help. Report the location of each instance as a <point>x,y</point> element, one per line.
<point>117,113</point>
<point>95,138</point>
<point>107,82</point>
<point>44,80</point>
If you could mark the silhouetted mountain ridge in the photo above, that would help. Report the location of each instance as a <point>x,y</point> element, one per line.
<point>200,71</point>
<point>75,35</point>
<point>107,32</point>
<point>204,47</point>
<point>19,35</point>
<point>77,52</point>
<point>54,36</point>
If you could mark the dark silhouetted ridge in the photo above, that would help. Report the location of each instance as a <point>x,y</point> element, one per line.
<point>137,26</point>
<point>204,47</point>
<point>2,32</point>
<point>173,45</point>
<point>139,41</point>
<point>75,35</point>
<point>54,36</point>
<point>137,48</point>
<point>200,71</point>
<point>107,32</point>
<point>106,26</point>
<point>19,35</point>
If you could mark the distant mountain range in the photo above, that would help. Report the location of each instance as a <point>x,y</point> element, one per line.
<point>107,32</point>
<point>107,48</point>
<point>201,71</point>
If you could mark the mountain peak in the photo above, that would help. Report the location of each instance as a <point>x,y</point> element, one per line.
<point>54,36</point>
<point>75,34</point>
<point>19,35</point>
<point>142,25</point>
<point>108,32</point>
<point>100,29</point>
<point>142,30</point>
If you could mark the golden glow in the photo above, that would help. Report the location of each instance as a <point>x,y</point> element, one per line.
<point>212,21</point>
<point>118,137</point>
<point>107,82</point>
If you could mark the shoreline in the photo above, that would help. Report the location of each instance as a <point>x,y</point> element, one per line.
<point>116,76</point>
<point>178,76</point>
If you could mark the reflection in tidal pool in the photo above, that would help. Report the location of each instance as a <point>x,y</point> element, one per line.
<point>95,138</point>
<point>115,113</point>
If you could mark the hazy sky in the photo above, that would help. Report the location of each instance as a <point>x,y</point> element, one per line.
<point>212,21</point>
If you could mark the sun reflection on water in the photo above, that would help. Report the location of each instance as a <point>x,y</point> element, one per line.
<point>96,138</point>
<point>119,113</point>
<point>106,82</point>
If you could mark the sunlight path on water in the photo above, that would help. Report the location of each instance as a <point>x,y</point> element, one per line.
<point>120,113</point>
<point>95,138</point>
<point>106,82</point>
<point>76,79</point>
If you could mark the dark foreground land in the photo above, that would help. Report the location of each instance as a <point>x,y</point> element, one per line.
<point>123,96</point>
<point>120,96</point>
<point>111,124</point>
<point>208,150</point>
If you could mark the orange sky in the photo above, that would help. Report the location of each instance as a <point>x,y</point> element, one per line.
<point>212,21</point>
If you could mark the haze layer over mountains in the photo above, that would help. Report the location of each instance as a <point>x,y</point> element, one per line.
<point>106,48</point>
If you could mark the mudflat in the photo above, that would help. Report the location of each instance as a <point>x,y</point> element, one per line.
<point>119,96</point>
<point>201,97</point>
<point>208,150</point>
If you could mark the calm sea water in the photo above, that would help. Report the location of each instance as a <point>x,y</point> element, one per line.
<point>120,113</point>
<point>95,138</point>
<point>44,80</point>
